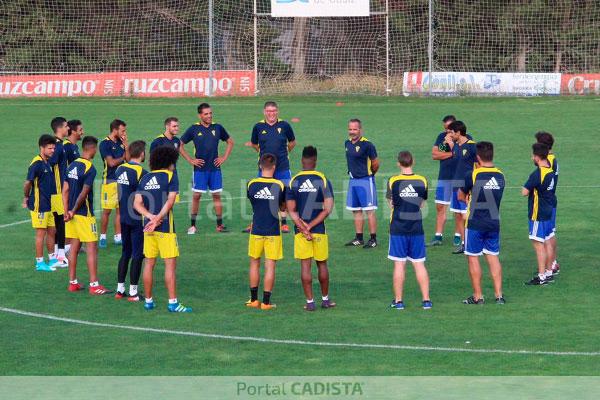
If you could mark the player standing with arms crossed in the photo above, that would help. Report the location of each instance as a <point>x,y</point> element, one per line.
<point>363,163</point>
<point>38,189</point>
<point>207,163</point>
<point>483,191</point>
<point>274,136</point>
<point>114,152</point>
<point>309,203</point>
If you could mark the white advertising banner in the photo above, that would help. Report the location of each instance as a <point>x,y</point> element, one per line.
<point>319,8</point>
<point>490,83</point>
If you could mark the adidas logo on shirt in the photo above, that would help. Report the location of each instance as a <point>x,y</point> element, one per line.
<point>409,191</point>
<point>492,184</point>
<point>122,179</point>
<point>152,184</point>
<point>264,193</point>
<point>73,174</point>
<point>307,186</point>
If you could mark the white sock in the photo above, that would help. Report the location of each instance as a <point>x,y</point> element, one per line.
<point>103,236</point>
<point>121,287</point>
<point>74,282</point>
<point>117,238</point>
<point>39,259</point>
<point>553,264</point>
<point>93,284</point>
<point>542,276</point>
<point>438,234</point>
<point>548,273</point>
<point>326,297</point>
<point>310,301</point>
<point>52,255</point>
<point>133,290</point>
<point>149,300</point>
<point>55,248</point>
<point>61,253</point>
<point>457,234</point>
<point>173,301</point>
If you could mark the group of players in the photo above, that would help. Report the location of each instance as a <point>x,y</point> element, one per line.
<point>58,192</point>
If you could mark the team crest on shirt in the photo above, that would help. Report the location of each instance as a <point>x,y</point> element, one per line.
<point>263,132</point>
<point>278,130</point>
<point>213,132</point>
<point>357,148</point>
<point>464,152</point>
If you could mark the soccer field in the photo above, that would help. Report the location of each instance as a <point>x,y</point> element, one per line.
<point>550,330</point>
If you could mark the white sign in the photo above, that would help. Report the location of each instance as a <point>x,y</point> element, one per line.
<point>491,83</point>
<point>319,8</point>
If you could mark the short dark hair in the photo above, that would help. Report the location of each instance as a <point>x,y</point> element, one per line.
<point>73,124</point>
<point>163,157</point>
<point>89,141</point>
<point>458,126</point>
<point>405,159</point>
<point>45,140</point>
<point>267,160</point>
<point>56,123</point>
<point>449,118</point>
<point>171,119</point>
<point>541,150</point>
<point>116,123</point>
<point>356,120</point>
<point>309,152</point>
<point>546,138</point>
<point>202,106</point>
<point>485,151</point>
<point>136,148</point>
<point>270,104</point>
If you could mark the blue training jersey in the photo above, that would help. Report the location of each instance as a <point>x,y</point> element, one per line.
<point>58,161</point>
<point>80,173</point>
<point>128,177</point>
<point>114,149</point>
<point>71,151</point>
<point>447,166</point>
<point>206,143</point>
<point>266,196</point>
<point>154,187</point>
<point>359,156</point>
<point>41,176</point>
<point>541,194</point>
<point>309,189</point>
<point>466,157</point>
<point>407,193</point>
<point>554,165</point>
<point>274,139</point>
<point>486,186</point>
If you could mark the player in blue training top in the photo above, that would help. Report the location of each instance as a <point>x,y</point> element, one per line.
<point>73,137</point>
<point>132,231</point>
<point>38,189</point>
<point>207,163</point>
<point>547,139</point>
<point>78,200</point>
<point>113,150</point>
<point>483,191</point>
<point>267,196</point>
<point>58,162</point>
<point>274,136</point>
<point>464,153</point>
<point>169,138</point>
<point>407,193</point>
<point>361,157</point>
<point>540,190</point>
<point>309,202</point>
<point>154,200</point>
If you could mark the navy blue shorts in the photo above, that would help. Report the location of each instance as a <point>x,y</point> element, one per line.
<point>407,247</point>
<point>481,242</point>
<point>203,181</point>
<point>540,231</point>
<point>362,194</point>
<point>456,205</point>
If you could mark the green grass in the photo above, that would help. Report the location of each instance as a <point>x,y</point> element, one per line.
<point>212,269</point>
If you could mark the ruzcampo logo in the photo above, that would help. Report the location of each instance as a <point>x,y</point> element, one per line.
<point>264,193</point>
<point>137,86</point>
<point>307,186</point>
<point>409,191</point>
<point>152,184</point>
<point>48,87</point>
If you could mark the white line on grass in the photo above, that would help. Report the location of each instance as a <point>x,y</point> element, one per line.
<point>299,342</point>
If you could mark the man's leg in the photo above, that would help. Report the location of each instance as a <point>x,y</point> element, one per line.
<point>496,273</point>
<point>170,279</point>
<point>323,277</point>
<point>541,256</point>
<point>148,277</point>
<point>459,220</point>
<point>254,278</point>
<point>398,279</point>
<point>550,245</point>
<point>117,225</point>
<point>269,280</point>
<point>218,205</point>
<point>422,278</point>
<point>75,245</point>
<point>475,275</point>
<point>125,257</point>
<point>306,276</point>
<point>194,211</point>
<point>40,235</point>
<point>440,219</point>
<point>50,240</point>
<point>91,251</point>
<point>358,223</point>
<point>372,217</point>
<point>59,222</point>
<point>104,221</point>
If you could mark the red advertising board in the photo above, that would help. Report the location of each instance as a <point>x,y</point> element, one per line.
<point>135,84</point>
<point>580,84</point>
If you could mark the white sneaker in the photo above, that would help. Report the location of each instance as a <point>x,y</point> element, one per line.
<point>191,230</point>
<point>60,263</point>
